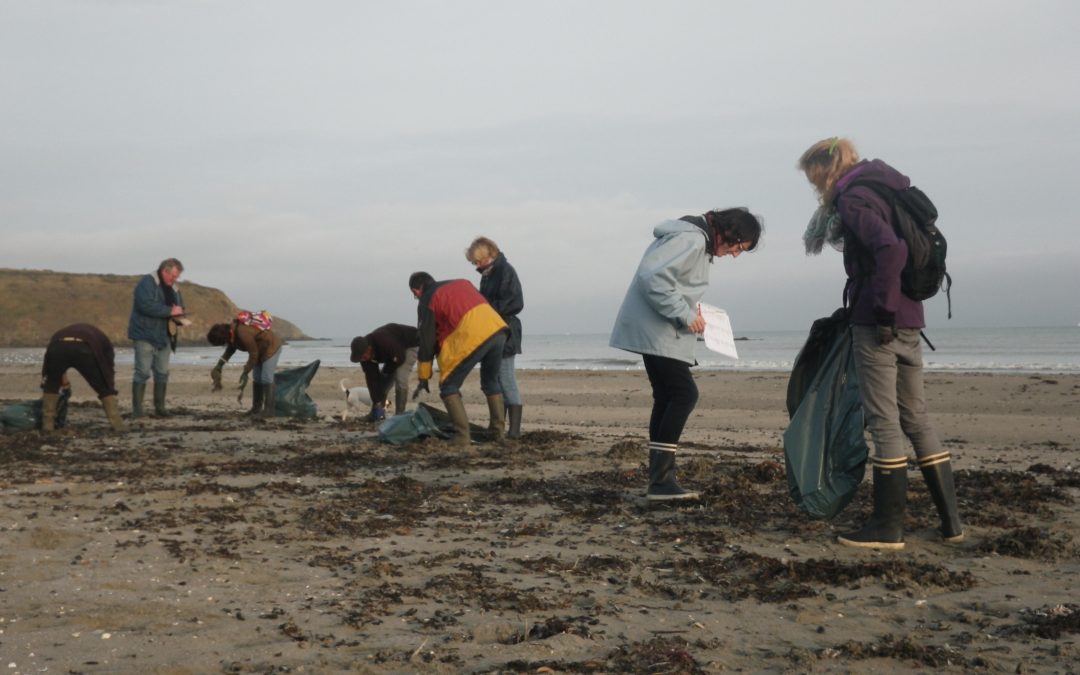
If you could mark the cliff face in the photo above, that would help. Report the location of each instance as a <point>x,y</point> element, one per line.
<point>34,304</point>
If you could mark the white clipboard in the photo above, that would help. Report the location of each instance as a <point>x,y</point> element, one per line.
<point>718,335</point>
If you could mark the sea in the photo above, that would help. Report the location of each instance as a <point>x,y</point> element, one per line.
<point>977,350</point>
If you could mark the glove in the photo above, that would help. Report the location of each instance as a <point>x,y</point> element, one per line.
<point>243,385</point>
<point>886,334</point>
<point>424,386</point>
<point>377,413</point>
<point>886,325</point>
<point>215,377</point>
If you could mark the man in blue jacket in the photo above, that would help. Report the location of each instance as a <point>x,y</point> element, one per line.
<point>156,310</point>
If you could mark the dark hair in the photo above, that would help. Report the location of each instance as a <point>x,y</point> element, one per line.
<point>357,348</point>
<point>218,334</point>
<point>420,280</point>
<point>734,226</point>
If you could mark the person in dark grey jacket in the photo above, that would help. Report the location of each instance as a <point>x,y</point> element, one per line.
<point>885,332</point>
<point>157,309</point>
<point>660,320</point>
<point>500,286</point>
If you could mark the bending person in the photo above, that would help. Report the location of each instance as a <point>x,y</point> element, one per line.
<point>86,349</point>
<point>263,348</point>
<point>456,322</point>
<point>394,347</point>
<point>660,320</point>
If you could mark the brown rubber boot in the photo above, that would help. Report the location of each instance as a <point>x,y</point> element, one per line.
<point>112,411</point>
<point>455,407</point>
<point>49,402</point>
<point>496,417</point>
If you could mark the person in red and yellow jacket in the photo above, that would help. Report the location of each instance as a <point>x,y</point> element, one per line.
<point>458,324</point>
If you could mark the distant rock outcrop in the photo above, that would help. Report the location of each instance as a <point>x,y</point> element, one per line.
<point>34,304</point>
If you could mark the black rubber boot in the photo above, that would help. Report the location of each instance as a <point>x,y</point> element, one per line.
<point>138,391</point>
<point>885,530</point>
<point>269,406</point>
<point>662,485</point>
<point>496,417</point>
<point>514,414</point>
<point>455,407</point>
<point>159,399</point>
<point>257,395</point>
<point>937,470</point>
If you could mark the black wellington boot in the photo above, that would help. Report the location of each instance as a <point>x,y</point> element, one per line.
<point>138,390</point>
<point>159,399</point>
<point>269,407</point>
<point>513,413</point>
<point>258,392</point>
<point>662,485</point>
<point>937,470</point>
<point>885,530</point>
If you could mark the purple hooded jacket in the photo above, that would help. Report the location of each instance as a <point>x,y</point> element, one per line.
<point>876,299</point>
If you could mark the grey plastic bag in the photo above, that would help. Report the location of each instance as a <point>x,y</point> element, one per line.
<point>290,392</point>
<point>825,448</point>
<point>409,426</point>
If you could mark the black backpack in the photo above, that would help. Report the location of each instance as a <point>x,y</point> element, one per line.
<point>915,221</point>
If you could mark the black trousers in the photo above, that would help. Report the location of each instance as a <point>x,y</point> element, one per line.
<point>63,355</point>
<point>674,396</point>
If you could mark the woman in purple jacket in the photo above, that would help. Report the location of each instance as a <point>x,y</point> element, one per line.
<point>886,326</point>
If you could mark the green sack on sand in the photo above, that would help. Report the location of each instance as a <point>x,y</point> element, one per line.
<point>290,392</point>
<point>409,426</point>
<point>26,415</point>
<point>825,449</point>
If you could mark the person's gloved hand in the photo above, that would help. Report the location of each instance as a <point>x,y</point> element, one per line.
<point>215,377</point>
<point>422,386</point>
<point>243,385</point>
<point>886,334</point>
<point>886,325</point>
<point>377,413</point>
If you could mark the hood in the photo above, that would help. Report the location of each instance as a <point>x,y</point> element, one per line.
<point>875,170</point>
<point>674,226</point>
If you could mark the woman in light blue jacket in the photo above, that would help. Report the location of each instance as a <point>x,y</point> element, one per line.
<point>660,320</point>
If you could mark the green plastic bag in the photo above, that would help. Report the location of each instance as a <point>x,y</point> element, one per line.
<point>26,415</point>
<point>825,449</point>
<point>290,392</point>
<point>409,426</point>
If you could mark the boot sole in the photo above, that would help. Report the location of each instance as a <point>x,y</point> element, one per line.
<point>954,540</point>
<point>880,545</point>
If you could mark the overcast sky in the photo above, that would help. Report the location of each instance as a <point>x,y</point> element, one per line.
<point>306,157</point>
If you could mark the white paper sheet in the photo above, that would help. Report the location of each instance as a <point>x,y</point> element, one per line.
<point>718,335</point>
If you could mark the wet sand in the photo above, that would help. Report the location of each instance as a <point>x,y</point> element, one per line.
<point>208,542</point>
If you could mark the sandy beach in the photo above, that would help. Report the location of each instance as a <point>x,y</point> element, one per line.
<point>207,542</point>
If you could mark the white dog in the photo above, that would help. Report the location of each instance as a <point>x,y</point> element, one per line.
<point>357,400</point>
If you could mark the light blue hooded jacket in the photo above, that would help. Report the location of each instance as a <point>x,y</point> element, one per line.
<point>663,296</point>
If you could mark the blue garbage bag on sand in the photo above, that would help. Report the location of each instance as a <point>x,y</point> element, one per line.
<point>825,449</point>
<point>409,426</point>
<point>26,415</point>
<point>290,392</point>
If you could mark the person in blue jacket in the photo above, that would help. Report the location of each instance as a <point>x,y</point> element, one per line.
<point>156,311</point>
<point>660,320</point>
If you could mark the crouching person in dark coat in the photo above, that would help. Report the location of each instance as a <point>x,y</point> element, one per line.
<point>86,349</point>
